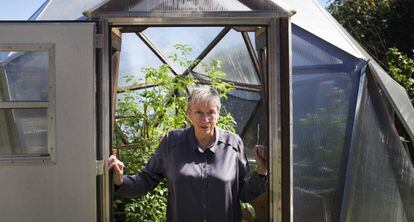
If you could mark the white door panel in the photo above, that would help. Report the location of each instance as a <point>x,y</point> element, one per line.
<point>62,190</point>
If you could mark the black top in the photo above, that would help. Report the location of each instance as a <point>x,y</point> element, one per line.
<point>204,186</point>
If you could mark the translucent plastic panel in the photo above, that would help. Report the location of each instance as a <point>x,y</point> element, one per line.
<point>125,98</point>
<point>325,86</point>
<point>310,50</point>
<point>135,56</point>
<point>130,110</point>
<point>24,76</point>
<point>197,38</point>
<point>188,6</point>
<point>129,107</point>
<point>39,10</point>
<point>236,61</point>
<point>250,114</point>
<point>132,102</point>
<point>173,6</point>
<point>247,100</point>
<point>3,55</point>
<point>66,10</point>
<point>381,173</point>
<point>23,132</point>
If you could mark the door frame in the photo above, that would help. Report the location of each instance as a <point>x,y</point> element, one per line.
<point>279,91</point>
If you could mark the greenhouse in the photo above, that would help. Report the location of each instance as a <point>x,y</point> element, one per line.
<point>83,77</point>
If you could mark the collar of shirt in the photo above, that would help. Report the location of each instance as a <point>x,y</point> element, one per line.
<point>193,141</point>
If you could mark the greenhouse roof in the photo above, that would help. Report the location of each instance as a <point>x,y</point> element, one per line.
<point>309,16</point>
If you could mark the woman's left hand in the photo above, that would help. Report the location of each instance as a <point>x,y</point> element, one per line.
<point>261,154</point>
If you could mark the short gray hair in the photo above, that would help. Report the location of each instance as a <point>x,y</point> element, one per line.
<point>203,93</point>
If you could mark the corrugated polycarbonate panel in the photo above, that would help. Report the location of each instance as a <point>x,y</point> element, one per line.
<point>135,56</point>
<point>245,99</point>
<point>39,10</point>
<point>324,83</point>
<point>381,176</point>
<point>195,6</point>
<point>317,20</point>
<point>398,97</point>
<point>196,38</point>
<point>236,62</point>
<point>173,6</point>
<point>310,50</point>
<point>322,109</point>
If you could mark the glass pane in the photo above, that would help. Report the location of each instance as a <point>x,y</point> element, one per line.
<point>235,58</point>
<point>135,55</point>
<point>23,132</point>
<point>197,38</point>
<point>24,76</point>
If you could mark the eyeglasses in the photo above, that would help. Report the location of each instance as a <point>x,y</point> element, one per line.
<point>202,115</point>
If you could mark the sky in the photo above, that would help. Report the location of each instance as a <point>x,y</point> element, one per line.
<point>23,9</point>
<point>18,9</point>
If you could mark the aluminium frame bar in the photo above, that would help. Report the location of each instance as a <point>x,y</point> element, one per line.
<point>274,123</point>
<point>252,54</point>
<point>103,57</point>
<point>208,49</point>
<point>156,51</point>
<point>237,85</point>
<point>355,136</point>
<point>24,105</point>
<point>286,115</point>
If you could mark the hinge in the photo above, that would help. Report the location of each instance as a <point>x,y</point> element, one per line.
<point>99,167</point>
<point>99,43</point>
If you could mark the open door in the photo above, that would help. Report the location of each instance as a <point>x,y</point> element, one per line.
<point>47,122</point>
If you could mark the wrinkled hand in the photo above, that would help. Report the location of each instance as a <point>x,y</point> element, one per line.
<point>117,166</point>
<point>261,154</point>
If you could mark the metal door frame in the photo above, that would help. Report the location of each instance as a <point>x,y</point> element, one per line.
<point>279,91</point>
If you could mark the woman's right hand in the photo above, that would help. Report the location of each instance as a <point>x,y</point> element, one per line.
<point>117,166</point>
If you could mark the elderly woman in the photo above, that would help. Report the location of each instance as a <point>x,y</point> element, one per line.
<point>206,167</point>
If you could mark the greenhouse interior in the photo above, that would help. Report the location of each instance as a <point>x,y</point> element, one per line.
<point>352,125</point>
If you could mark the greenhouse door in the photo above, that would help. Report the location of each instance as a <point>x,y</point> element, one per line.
<point>47,122</point>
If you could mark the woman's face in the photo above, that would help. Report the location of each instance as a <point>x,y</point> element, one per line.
<point>203,116</point>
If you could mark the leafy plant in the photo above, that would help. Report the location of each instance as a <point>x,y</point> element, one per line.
<point>144,116</point>
<point>401,68</point>
<point>378,24</point>
<point>385,28</point>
